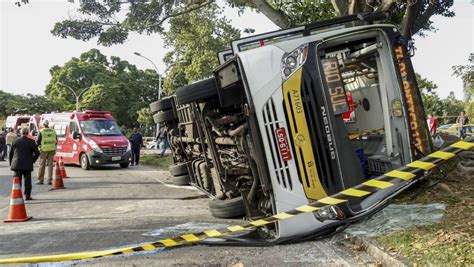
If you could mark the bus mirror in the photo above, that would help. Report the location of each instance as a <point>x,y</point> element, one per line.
<point>76,135</point>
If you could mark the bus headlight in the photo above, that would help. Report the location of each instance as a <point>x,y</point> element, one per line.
<point>294,60</point>
<point>329,213</point>
<point>95,147</point>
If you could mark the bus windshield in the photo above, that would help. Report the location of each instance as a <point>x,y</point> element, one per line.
<point>100,128</point>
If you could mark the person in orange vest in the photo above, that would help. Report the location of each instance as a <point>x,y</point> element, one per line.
<point>24,153</point>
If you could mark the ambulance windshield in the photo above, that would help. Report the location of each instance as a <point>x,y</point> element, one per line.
<point>100,128</point>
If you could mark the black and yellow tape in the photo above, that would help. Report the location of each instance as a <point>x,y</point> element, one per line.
<point>413,170</point>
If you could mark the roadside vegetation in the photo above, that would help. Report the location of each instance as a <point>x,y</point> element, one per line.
<point>448,242</point>
<point>154,160</point>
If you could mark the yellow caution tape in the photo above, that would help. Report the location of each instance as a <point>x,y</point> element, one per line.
<point>411,171</point>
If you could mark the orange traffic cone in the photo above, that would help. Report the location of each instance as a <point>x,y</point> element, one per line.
<point>17,212</point>
<point>58,180</point>
<point>61,168</point>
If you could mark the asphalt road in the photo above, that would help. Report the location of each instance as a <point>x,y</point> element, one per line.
<point>5,179</point>
<point>113,207</point>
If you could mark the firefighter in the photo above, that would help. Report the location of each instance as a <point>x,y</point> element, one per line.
<point>46,141</point>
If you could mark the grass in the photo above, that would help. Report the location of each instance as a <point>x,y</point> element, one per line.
<point>153,160</point>
<point>448,242</point>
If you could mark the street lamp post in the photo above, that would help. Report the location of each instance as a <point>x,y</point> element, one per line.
<point>157,72</point>
<point>78,96</point>
<point>159,83</point>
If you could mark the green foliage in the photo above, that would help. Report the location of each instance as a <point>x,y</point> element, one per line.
<point>11,104</point>
<point>449,106</point>
<point>145,118</point>
<point>100,19</point>
<point>111,21</point>
<point>195,37</point>
<point>107,84</point>
<point>302,12</point>
<point>466,73</point>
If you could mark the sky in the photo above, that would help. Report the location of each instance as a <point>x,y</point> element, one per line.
<point>28,50</point>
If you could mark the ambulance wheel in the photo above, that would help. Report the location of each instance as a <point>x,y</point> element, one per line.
<point>178,169</point>
<point>229,208</point>
<point>196,92</point>
<point>164,116</point>
<point>85,164</point>
<point>161,105</point>
<point>180,180</point>
<point>124,165</point>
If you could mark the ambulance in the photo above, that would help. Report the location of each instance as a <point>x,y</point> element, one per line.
<point>89,139</point>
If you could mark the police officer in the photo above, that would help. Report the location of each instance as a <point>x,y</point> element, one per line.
<point>46,141</point>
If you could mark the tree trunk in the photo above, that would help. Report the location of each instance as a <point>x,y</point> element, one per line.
<point>408,21</point>
<point>276,16</point>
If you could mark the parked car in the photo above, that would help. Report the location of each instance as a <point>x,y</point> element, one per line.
<point>452,129</point>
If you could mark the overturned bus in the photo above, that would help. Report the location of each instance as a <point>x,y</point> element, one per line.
<point>296,115</point>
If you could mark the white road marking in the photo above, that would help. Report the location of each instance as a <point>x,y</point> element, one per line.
<point>147,174</point>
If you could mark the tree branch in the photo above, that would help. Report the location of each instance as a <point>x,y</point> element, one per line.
<point>423,18</point>
<point>186,10</point>
<point>276,16</point>
<point>341,7</point>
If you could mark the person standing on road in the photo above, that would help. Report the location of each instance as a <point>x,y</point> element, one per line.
<point>163,135</point>
<point>11,136</point>
<point>3,145</point>
<point>24,153</point>
<point>462,121</point>
<point>136,140</point>
<point>46,141</point>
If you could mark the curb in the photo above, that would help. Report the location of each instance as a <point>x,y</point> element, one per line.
<point>375,250</point>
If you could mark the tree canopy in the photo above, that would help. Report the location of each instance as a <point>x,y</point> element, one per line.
<point>30,104</point>
<point>112,20</point>
<point>450,106</point>
<point>195,38</point>
<point>110,84</point>
<point>466,73</point>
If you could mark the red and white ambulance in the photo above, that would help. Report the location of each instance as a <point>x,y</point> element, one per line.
<point>89,138</point>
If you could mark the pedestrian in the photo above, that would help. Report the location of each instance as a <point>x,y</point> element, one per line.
<point>11,136</point>
<point>24,153</point>
<point>3,144</point>
<point>462,121</point>
<point>136,140</point>
<point>46,141</point>
<point>163,136</point>
<point>432,124</point>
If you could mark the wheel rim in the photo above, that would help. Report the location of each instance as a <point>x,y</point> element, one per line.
<point>84,161</point>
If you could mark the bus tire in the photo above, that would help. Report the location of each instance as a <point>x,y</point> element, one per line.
<point>161,105</point>
<point>226,209</point>
<point>164,116</point>
<point>196,92</point>
<point>181,180</point>
<point>178,169</point>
